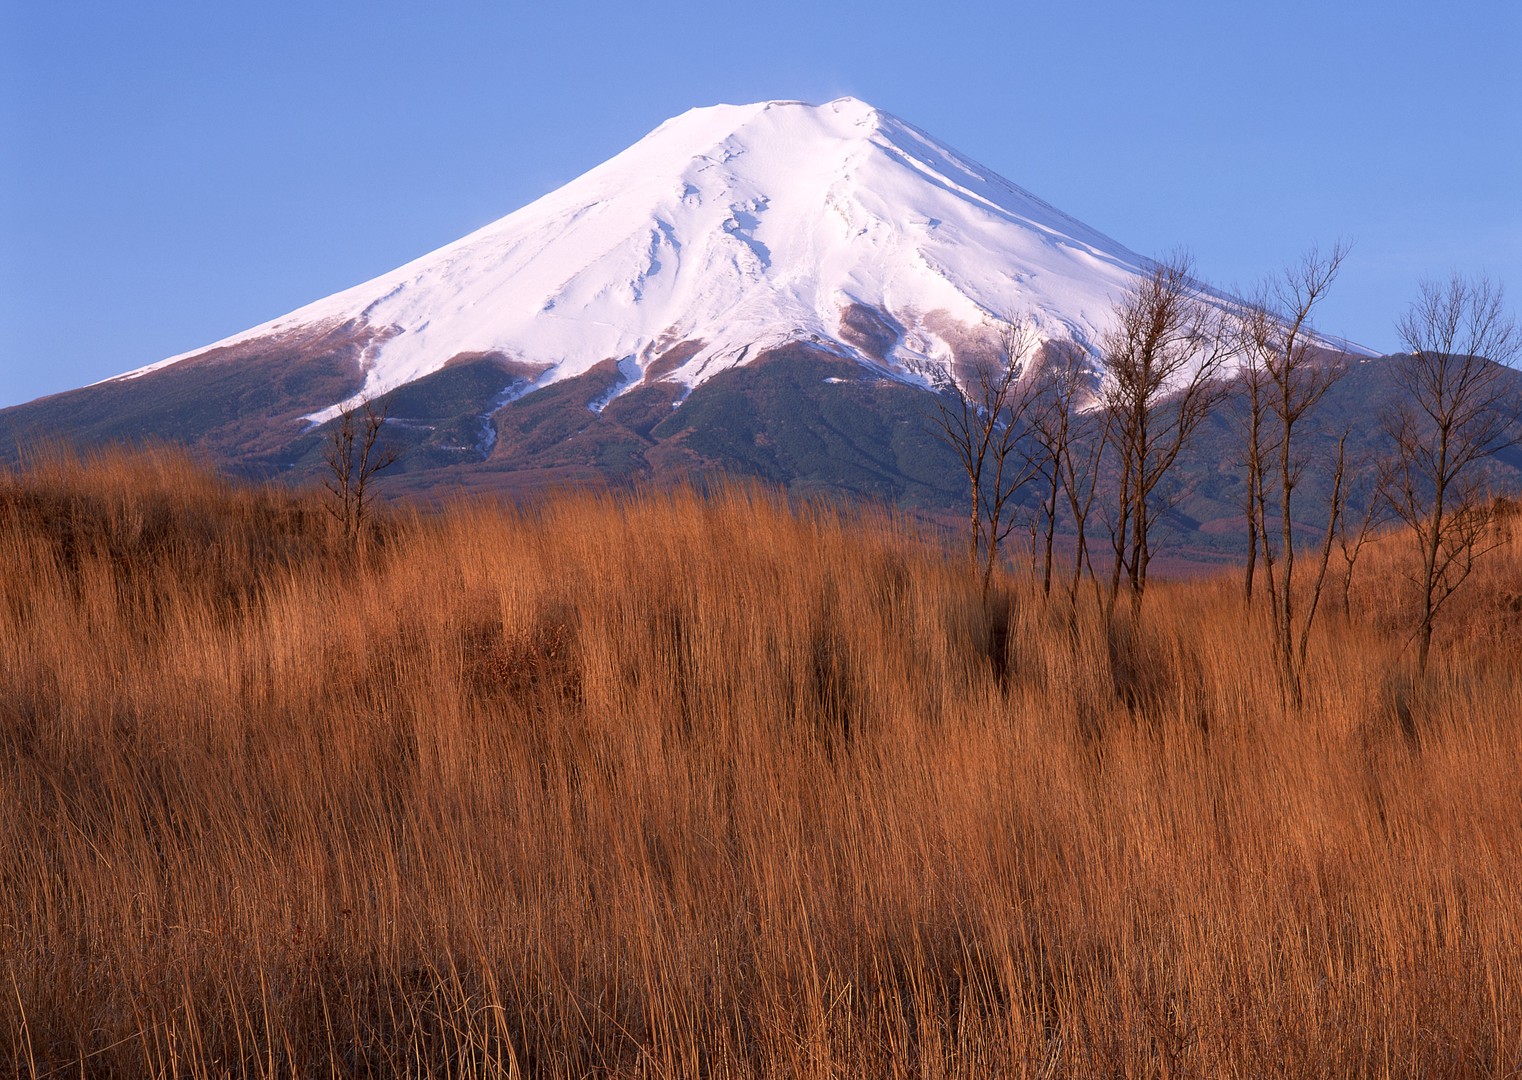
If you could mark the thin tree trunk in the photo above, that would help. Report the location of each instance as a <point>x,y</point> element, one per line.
<point>1051,529</point>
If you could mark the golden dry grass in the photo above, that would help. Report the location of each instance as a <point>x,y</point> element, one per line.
<point>677,786</point>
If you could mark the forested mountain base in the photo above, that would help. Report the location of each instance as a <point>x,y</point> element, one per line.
<point>673,786</point>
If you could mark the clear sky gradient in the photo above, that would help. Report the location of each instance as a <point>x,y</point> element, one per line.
<point>171,173</point>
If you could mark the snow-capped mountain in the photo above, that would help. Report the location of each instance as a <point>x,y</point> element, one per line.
<point>728,231</point>
<point>763,290</point>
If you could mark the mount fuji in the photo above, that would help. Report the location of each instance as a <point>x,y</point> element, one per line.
<point>765,289</point>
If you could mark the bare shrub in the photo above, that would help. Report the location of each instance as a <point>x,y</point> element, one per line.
<point>354,457</point>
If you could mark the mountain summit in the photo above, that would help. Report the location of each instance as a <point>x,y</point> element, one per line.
<point>725,232</point>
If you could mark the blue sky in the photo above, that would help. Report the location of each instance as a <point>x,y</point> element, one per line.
<point>171,173</point>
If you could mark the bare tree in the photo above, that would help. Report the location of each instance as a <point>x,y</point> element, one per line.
<point>1161,363</point>
<point>1459,409</point>
<point>1289,371</point>
<point>983,423</point>
<point>1051,426</point>
<point>1364,510</point>
<point>1069,444</point>
<point>1254,382</point>
<point>354,456</point>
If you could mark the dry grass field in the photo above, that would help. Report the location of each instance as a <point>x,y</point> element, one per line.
<point>674,786</point>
